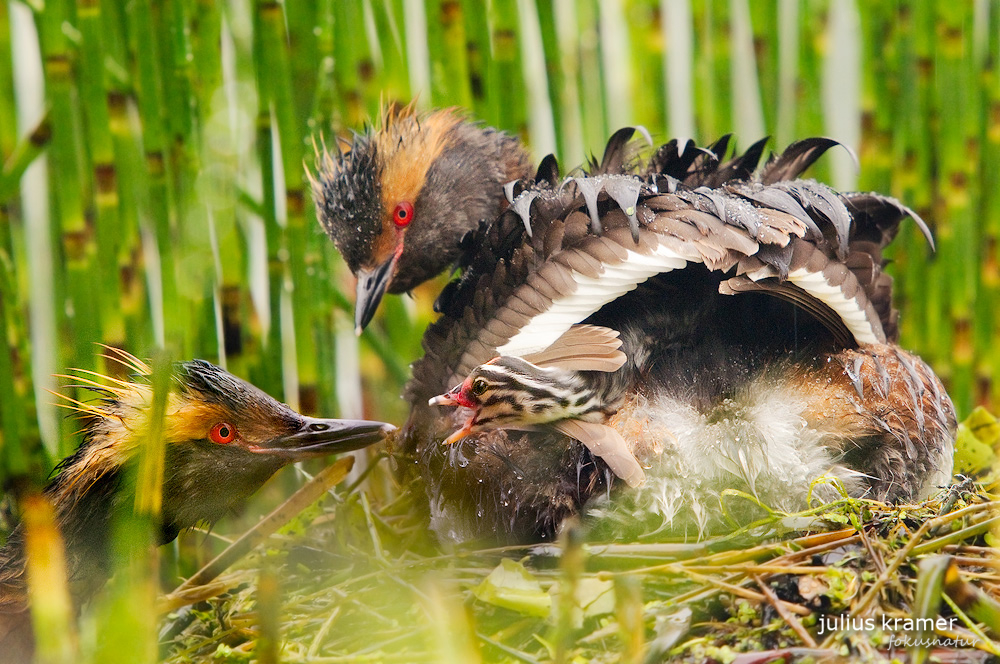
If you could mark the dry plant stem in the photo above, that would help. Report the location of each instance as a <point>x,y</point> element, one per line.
<point>809,552</point>
<point>305,496</point>
<point>875,556</point>
<point>824,539</point>
<point>743,592</point>
<point>938,543</point>
<point>813,544</point>
<point>323,631</point>
<point>702,593</point>
<point>964,548</point>
<point>783,654</point>
<point>779,606</point>
<point>969,560</point>
<point>808,542</point>
<point>506,649</point>
<point>770,568</point>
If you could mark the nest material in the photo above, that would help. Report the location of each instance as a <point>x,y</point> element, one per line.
<point>368,585</point>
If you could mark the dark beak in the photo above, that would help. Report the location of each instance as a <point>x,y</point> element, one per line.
<point>316,437</point>
<point>372,285</point>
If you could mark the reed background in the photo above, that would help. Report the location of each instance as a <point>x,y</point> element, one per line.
<point>152,190</point>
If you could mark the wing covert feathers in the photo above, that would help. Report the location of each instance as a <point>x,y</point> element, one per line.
<point>582,348</point>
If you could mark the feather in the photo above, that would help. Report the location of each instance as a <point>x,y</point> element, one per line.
<point>553,238</point>
<point>590,188</point>
<point>590,345</point>
<point>738,168</point>
<point>713,231</point>
<point>625,191</point>
<point>581,262</point>
<point>886,212</point>
<point>777,257</point>
<point>796,158</point>
<point>615,153</point>
<point>518,304</point>
<point>776,199</point>
<point>665,203</point>
<point>828,207</point>
<point>548,171</point>
<point>672,161</point>
<point>511,317</point>
<point>585,295</point>
<point>720,147</point>
<point>789,292</point>
<point>604,249</point>
<point>508,191</point>
<point>522,207</point>
<point>705,161</point>
<point>606,443</point>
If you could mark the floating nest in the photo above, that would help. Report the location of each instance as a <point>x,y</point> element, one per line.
<point>355,580</point>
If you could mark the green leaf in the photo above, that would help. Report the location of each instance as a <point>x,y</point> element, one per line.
<point>594,597</point>
<point>513,587</point>
<point>930,581</point>
<point>975,443</point>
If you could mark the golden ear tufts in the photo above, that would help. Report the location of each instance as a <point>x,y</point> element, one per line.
<point>126,359</point>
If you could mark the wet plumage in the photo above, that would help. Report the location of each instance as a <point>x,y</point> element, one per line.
<point>758,325</point>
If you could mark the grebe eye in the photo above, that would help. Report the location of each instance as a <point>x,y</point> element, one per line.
<point>403,214</point>
<point>479,386</point>
<point>222,433</point>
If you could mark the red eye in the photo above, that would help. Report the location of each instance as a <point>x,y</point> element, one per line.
<point>222,433</point>
<point>403,214</point>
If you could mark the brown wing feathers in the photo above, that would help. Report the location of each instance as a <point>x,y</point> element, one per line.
<point>582,348</point>
<point>796,158</point>
<point>684,201</point>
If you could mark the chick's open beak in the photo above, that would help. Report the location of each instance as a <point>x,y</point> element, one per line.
<point>456,398</point>
<point>319,437</point>
<point>372,284</point>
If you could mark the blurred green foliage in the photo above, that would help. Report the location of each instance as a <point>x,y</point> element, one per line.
<point>153,189</point>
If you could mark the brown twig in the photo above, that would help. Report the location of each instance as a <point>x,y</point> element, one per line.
<point>745,593</point>
<point>780,607</point>
<point>876,557</point>
<point>823,547</point>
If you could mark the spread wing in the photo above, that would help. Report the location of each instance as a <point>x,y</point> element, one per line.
<point>560,253</point>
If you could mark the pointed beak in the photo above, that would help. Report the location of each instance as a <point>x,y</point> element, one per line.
<point>372,285</point>
<point>446,399</point>
<point>319,437</point>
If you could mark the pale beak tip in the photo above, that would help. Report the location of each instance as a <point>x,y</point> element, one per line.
<point>441,400</point>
